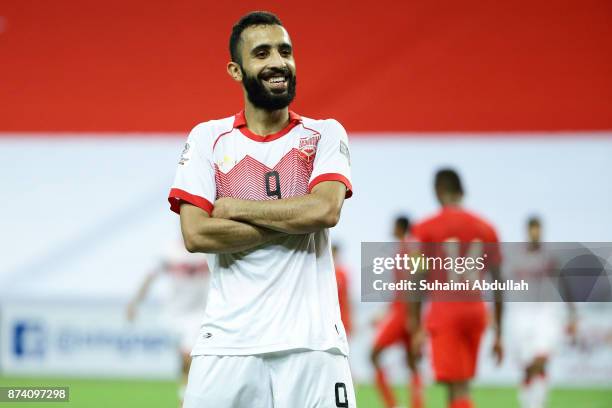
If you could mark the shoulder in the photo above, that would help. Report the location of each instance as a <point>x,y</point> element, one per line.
<point>421,230</point>
<point>486,227</point>
<point>325,127</point>
<point>205,133</point>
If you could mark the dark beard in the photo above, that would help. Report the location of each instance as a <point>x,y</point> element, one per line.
<point>261,98</point>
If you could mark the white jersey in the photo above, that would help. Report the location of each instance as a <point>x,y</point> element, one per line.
<point>535,266</point>
<point>536,327</point>
<point>281,295</point>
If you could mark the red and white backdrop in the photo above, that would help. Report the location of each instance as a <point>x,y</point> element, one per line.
<point>97,97</point>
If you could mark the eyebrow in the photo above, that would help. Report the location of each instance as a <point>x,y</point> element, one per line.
<point>261,47</point>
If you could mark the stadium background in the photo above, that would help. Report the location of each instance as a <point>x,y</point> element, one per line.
<point>97,97</point>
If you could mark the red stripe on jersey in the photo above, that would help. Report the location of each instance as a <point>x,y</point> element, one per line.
<point>241,124</point>
<point>332,177</point>
<point>177,195</point>
<point>250,179</point>
<point>221,135</point>
<point>312,130</point>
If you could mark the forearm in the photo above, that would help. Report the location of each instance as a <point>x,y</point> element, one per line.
<point>296,215</point>
<point>499,302</point>
<point>144,289</point>
<point>499,307</point>
<point>216,235</point>
<point>414,317</point>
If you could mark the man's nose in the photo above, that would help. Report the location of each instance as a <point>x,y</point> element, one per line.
<point>277,60</point>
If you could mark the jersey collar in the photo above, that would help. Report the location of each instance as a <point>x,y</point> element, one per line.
<point>240,124</point>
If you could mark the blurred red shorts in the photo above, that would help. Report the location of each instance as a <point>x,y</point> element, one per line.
<point>393,328</point>
<point>455,334</point>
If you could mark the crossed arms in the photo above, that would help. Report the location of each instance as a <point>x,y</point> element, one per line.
<point>237,225</point>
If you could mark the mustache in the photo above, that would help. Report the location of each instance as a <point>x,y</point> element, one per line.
<point>275,71</point>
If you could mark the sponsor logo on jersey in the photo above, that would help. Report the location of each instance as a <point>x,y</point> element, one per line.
<point>308,147</point>
<point>345,151</point>
<point>226,164</point>
<point>185,155</point>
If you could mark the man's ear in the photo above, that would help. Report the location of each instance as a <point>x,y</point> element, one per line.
<point>234,70</point>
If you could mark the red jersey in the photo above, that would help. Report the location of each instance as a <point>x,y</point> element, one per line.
<point>343,298</point>
<point>456,328</point>
<point>454,224</point>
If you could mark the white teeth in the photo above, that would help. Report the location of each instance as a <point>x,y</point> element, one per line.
<point>276,79</point>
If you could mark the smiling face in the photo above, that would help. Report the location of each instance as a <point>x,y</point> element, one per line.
<point>266,67</point>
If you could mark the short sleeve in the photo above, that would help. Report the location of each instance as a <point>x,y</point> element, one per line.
<point>194,182</point>
<point>332,161</point>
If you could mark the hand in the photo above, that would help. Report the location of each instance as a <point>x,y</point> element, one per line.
<point>223,207</point>
<point>131,312</point>
<point>418,341</point>
<point>498,350</point>
<point>572,331</point>
<point>375,321</point>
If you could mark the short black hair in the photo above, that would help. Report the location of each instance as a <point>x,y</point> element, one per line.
<point>403,222</point>
<point>448,181</point>
<point>252,19</point>
<point>533,221</point>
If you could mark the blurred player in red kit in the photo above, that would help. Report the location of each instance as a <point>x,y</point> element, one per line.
<point>455,328</point>
<point>344,299</point>
<point>536,326</point>
<point>392,329</point>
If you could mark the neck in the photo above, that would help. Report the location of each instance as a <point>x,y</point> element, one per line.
<point>263,122</point>
<point>450,201</point>
<point>534,245</point>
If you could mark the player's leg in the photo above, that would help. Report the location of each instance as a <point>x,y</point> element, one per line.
<point>389,332</point>
<point>185,364</point>
<point>544,336</point>
<point>467,346</point>
<point>385,390</point>
<point>228,381</point>
<point>459,394</point>
<point>415,388</point>
<point>534,390</point>
<point>449,358</point>
<point>455,354</point>
<point>311,379</point>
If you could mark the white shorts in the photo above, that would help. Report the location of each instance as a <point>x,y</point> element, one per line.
<point>537,333</point>
<point>298,379</point>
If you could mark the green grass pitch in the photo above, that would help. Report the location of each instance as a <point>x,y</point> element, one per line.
<point>150,394</point>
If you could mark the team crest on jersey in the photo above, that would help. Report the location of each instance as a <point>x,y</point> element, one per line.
<point>308,147</point>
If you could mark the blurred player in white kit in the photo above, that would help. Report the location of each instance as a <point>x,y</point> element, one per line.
<point>538,327</point>
<point>187,278</point>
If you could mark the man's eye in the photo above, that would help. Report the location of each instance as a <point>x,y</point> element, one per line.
<point>261,54</point>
